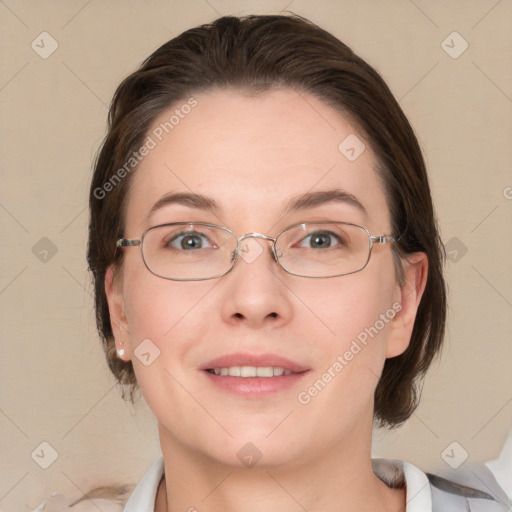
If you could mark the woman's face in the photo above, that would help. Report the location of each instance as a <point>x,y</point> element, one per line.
<point>253,156</point>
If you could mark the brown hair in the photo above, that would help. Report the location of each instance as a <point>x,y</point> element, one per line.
<point>255,54</point>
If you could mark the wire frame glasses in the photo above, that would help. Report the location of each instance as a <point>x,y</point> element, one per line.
<point>193,251</point>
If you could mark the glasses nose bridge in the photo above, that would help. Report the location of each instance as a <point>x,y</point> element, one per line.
<point>255,235</point>
<point>240,239</point>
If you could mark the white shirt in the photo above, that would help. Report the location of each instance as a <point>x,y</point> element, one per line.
<point>417,485</point>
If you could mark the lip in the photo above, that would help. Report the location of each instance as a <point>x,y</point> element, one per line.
<point>254,387</point>
<point>245,359</point>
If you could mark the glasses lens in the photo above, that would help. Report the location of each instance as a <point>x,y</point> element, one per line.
<point>323,249</point>
<point>187,251</point>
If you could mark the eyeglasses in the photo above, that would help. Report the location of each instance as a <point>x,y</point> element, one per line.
<point>193,251</point>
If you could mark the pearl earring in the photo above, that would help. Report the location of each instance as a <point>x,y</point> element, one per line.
<point>120,352</point>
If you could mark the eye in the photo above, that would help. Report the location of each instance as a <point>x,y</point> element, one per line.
<point>188,240</point>
<point>322,239</point>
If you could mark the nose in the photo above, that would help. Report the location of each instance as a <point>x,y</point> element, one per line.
<point>253,292</point>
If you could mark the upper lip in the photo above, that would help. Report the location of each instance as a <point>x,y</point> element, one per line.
<point>257,360</point>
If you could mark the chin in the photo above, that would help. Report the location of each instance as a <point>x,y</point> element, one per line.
<point>256,449</point>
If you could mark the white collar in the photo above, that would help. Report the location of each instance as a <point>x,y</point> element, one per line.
<point>389,470</point>
<point>143,496</point>
<point>396,472</point>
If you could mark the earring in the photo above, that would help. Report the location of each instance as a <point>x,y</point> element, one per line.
<point>120,352</point>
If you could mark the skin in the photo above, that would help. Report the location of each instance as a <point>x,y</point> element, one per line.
<point>252,155</point>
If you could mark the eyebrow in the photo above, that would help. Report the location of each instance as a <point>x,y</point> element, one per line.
<point>319,198</point>
<point>299,203</point>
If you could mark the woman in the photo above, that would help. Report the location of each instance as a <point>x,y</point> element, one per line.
<point>268,271</point>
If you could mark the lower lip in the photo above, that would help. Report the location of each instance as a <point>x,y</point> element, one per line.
<point>254,387</point>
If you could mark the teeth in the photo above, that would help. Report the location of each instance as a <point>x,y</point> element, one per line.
<point>234,371</point>
<point>252,371</point>
<point>266,371</point>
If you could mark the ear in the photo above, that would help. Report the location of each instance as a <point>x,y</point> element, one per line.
<point>115,299</point>
<point>409,296</point>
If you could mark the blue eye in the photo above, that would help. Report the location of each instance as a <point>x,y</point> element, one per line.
<point>187,241</point>
<point>322,239</point>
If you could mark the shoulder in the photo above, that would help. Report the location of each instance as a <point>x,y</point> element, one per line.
<point>471,487</point>
<point>106,499</point>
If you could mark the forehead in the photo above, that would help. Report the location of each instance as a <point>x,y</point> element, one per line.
<point>252,155</point>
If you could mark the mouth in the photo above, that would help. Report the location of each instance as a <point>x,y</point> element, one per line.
<point>253,376</point>
<point>251,371</point>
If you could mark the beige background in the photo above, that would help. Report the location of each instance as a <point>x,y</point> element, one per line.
<point>55,385</point>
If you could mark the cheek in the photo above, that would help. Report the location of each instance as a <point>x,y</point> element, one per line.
<point>351,322</point>
<point>161,318</point>
<point>165,312</point>
<point>338,396</point>
<point>155,308</point>
<point>350,307</point>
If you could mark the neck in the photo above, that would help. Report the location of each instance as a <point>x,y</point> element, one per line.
<point>342,476</point>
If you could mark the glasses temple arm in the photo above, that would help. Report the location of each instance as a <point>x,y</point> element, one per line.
<point>123,242</point>
<point>383,239</point>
